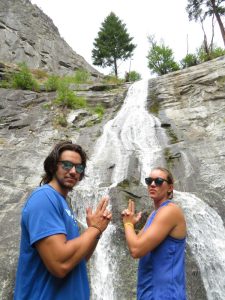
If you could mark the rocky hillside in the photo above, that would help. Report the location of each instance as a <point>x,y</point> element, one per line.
<point>190,105</point>
<point>28,35</point>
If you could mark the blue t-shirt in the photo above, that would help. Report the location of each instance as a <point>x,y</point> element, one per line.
<point>47,213</point>
<point>161,272</point>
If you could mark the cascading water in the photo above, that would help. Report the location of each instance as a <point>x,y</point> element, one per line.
<point>134,132</point>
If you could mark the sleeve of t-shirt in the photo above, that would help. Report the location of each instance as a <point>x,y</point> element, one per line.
<point>43,216</point>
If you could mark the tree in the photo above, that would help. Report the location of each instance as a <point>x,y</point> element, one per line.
<point>132,76</point>
<point>112,44</point>
<point>160,58</point>
<point>189,60</point>
<point>198,10</point>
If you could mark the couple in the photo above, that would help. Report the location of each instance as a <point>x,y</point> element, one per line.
<point>53,255</point>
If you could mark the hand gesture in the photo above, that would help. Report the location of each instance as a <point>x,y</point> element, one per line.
<point>129,216</point>
<point>101,217</point>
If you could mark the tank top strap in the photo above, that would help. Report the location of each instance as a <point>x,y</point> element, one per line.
<point>150,219</point>
<point>164,203</point>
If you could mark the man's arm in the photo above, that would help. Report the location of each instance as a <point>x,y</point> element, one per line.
<point>60,255</point>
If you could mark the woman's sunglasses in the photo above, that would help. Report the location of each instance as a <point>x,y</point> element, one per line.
<point>158,181</point>
<point>68,165</point>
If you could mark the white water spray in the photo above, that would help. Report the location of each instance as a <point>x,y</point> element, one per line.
<point>133,132</point>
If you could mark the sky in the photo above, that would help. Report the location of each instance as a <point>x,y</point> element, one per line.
<point>79,22</point>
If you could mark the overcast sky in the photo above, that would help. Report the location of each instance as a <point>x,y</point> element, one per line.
<point>79,22</point>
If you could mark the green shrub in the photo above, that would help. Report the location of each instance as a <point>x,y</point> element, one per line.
<point>61,120</point>
<point>217,52</point>
<point>24,80</point>
<point>39,74</point>
<point>68,98</point>
<point>81,76</point>
<point>112,79</point>
<point>5,84</point>
<point>189,60</point>
<point>52,83</point>
<point>214,53</point>
<point>99,110</point>
<point>133,76</point>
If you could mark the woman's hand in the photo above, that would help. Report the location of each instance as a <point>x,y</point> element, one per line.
<point>128,214</point>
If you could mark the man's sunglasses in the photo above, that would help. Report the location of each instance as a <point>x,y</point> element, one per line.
<point>158,181</point>
<point>68,165</point>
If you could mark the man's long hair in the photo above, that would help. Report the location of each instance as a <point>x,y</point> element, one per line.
<point>51,161</point>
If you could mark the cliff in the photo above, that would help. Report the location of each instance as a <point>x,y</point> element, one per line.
<point>28,35</point>
<point>189,105</point>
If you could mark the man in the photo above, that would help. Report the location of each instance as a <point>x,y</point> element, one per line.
<point>160,245</point>
<point>52,261</point>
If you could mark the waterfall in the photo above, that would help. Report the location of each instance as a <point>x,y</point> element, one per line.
<point>133,132</point>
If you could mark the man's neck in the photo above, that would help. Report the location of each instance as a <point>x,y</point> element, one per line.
<point>54,184</point>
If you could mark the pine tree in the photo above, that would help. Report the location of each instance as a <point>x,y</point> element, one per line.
<point>112,44</point>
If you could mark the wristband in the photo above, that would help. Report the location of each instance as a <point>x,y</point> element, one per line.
<point>129,224</point>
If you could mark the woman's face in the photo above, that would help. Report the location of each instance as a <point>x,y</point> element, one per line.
<point>160,189</point>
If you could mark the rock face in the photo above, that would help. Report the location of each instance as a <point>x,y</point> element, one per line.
<point>28,35</point>
<point>190,105</point>
<point>27,132</point>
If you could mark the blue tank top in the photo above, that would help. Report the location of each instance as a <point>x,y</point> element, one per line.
<point>161,272</point>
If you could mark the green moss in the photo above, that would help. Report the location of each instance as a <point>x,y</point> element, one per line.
<point>89,123</point>
<point>172,135</point>
<point>154,105</point>
<point>167,155</point>
<point>47,106</point>
<point>124,184</point>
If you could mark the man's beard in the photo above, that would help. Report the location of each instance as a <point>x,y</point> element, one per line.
<point>64,186</point>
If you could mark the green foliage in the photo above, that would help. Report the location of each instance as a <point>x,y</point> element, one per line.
<point>60,120</point>
<point>201,56</point>
<point>200,10</point>
<point>68,98</point>
<point>99,110</point>
<point>189,60</point>
<point>5,84</point>
<point>217,52</point>
<point>81,76</point>
<point>132,76</point>
<point>24,80</point>
<point>52,83</point>
<point>214,53</point>
<point>39,74</point>
<point>111,79</point>
<point>160,58</point>
<point>112,44</point>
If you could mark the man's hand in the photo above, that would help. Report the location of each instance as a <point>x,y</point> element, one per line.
<point>101,217</point>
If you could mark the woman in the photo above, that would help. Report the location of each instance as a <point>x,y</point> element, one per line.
<point>160,245</point>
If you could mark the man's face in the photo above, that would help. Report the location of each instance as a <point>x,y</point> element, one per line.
<point>67,178</point>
